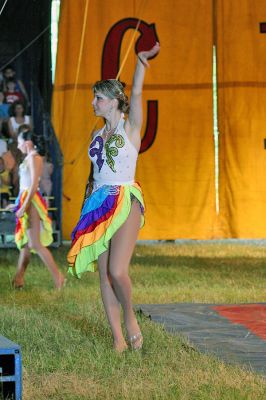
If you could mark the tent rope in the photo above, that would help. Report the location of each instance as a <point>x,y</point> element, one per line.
<point>25,48</point>
<point>81,49</point>
<point>3,7</point>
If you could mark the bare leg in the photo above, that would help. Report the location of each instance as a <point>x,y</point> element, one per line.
<point>23,261</point>
<point>110,302</point>
<point>43,252</point>
<point>121,249</point>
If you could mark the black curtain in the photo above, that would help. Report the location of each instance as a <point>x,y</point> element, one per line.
<point>20,23</point>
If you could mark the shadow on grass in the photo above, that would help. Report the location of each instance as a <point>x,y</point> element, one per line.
<point>196,262</point>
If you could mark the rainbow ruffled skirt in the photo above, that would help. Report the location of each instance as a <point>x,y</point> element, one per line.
<point>103,213</point>
<point>22,224</point>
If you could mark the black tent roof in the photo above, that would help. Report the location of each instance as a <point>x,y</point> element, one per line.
<point>21,22</point>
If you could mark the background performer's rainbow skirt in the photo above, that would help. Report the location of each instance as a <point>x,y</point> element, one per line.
<point>22,224</point>
<point>103,213</point>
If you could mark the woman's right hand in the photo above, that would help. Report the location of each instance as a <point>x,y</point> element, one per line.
<point>145,55</point>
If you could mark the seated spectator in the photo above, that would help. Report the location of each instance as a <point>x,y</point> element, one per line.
<point>45,179</point>
<point>11,94</point>
<point>9,72</point>
<point>3,146</point>
<point>4,108</point>
<point>4,184</point>
<point>1,81</point>
<point>18,118</point>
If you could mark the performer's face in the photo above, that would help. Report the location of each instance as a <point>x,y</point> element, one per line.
<point>101,104</point>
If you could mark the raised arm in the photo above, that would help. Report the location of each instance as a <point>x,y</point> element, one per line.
<point>135,113</point>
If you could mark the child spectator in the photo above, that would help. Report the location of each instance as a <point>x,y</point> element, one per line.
<point>12,94</point>
<point>10,73</point>
<point>4,184</point>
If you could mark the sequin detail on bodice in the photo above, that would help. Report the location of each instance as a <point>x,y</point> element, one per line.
<point>114,160</point>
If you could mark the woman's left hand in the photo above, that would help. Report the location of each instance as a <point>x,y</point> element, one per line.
<point>145,55</point>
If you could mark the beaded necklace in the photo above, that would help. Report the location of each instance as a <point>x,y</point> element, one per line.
<point>106,134</point>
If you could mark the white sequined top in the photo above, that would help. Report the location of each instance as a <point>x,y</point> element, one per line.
<point>24,173</point>
<point>114,161</point>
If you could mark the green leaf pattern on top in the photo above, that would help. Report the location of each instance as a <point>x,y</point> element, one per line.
<point>112,151</point>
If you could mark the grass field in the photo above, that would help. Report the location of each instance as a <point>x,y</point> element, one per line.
<point>66,343</point>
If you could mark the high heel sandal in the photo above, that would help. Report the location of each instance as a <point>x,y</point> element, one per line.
<point>136,341</point>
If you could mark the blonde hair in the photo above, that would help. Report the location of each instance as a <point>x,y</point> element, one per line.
<point>113,89</point>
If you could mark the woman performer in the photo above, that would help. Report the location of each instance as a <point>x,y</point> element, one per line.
<point>113,209</point>
<point>33,225</point>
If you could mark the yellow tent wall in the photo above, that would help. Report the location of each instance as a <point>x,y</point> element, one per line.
<point>177,169</point>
